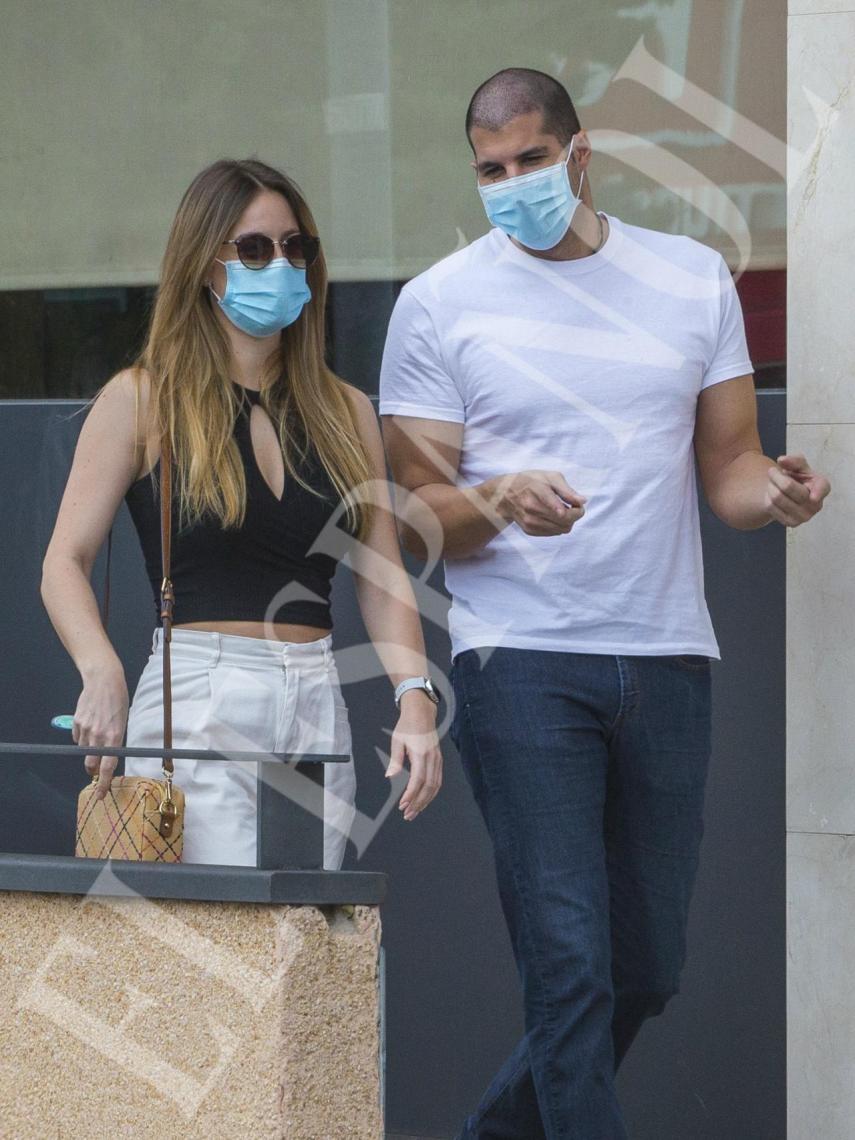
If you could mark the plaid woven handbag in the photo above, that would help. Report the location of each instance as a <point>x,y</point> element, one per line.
<point>140,817</point>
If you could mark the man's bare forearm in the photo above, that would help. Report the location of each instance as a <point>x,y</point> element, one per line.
<point>459,520</point>
<point>740,495</point>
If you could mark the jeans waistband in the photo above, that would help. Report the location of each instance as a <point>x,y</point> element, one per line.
<point>212,646</point>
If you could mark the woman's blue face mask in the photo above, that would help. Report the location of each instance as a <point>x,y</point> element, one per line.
<point>535,208</point>
<point>263,301</point>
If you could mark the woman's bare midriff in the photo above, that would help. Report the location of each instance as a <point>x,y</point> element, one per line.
<point>277,631</point>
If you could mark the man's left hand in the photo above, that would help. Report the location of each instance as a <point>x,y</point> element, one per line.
<point>795,492</point>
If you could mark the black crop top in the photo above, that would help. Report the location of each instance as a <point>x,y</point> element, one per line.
<point>235,574</point>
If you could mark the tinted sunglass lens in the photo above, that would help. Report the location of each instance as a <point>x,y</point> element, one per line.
<point>255,250</point>
<point>301,250</point>
<point>311,248</point>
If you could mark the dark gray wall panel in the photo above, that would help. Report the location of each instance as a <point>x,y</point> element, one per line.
<point>712,1067</point>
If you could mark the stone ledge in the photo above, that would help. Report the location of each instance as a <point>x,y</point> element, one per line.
<point>71,875</point>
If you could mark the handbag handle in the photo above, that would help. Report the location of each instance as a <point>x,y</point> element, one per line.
<point>167,600</point>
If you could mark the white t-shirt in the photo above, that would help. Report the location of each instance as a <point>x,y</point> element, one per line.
<point>591,367</point>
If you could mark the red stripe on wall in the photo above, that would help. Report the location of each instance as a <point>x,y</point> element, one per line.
<point>763,293</point>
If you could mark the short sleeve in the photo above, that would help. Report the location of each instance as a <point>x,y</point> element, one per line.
<point>414,380</point>
<point>729,356</point>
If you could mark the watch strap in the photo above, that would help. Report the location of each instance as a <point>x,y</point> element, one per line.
<point>413,683</point>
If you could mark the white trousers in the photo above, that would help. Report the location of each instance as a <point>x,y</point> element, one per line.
<point>253,695</point>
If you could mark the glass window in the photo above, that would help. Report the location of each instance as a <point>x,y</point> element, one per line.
<point>363,103</point>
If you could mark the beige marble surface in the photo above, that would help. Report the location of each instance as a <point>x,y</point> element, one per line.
<point>821,637</point>
<point>821,994</point>
<point>820,577</point>
<point>820,218</point>
<point>819,7</point>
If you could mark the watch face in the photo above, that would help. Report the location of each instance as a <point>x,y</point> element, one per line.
<point>428,687</point>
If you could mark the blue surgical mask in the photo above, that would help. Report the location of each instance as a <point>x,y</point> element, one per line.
<point>535,208</point>
<point>263,301</point>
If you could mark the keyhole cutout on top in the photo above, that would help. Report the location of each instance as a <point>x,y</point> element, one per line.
<point>267,450</point>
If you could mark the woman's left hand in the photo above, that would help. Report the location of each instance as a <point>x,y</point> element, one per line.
<point>415,739</point>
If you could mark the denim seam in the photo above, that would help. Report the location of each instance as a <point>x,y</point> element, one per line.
<point>486,1108</point>
<point>618,720</point>
<point>630,697</point>
<point>500,1092</point>
<point>549,1016</point>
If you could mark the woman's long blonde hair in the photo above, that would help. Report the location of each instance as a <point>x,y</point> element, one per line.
<point>186,356</point>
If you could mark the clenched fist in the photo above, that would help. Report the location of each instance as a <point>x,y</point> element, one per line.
<point>795,491</point>
<point>539,502</point>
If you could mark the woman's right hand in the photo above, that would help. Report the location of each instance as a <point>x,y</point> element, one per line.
<point>101,718</point>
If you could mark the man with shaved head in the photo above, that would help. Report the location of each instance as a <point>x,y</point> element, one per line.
<point>545,393</point>
<point>520,91</point>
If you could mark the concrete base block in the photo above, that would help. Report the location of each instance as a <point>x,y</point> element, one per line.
<point>137,1017</point>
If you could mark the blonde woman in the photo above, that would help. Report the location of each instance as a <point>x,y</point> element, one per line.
<point>278,470</point>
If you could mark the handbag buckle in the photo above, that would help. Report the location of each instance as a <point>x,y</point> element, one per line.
<point>168,813</point>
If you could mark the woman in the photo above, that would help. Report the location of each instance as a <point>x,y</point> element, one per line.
<point>278,469</point>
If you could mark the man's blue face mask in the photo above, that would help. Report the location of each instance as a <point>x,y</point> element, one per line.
<point>535,208</point>
<point>263,301</point>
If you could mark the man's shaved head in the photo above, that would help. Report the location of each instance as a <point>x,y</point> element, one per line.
<point>519,91</point>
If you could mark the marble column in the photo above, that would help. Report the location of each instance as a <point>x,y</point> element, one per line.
<point>821,573</point>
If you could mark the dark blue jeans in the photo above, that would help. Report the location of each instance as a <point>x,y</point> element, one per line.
<point>590,772</point>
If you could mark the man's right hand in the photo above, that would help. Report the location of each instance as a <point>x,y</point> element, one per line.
<point>533,500</point>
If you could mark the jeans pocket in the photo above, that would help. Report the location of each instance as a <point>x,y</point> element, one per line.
<point>458,701</point>
<point>453,730</point>
<point>696,661</point>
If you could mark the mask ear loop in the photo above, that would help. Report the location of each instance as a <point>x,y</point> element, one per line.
<point>581,172</point>
<point>211,287</point>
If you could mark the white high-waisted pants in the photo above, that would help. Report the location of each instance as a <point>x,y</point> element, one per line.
<point>249,694</point>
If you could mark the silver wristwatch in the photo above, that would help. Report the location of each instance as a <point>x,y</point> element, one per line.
<point>416,683</point>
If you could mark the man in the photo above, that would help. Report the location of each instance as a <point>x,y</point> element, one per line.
<point>544,393</point>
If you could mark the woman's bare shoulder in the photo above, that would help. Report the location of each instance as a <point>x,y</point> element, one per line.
<point>360,402</point>
<point>106,458</point>
<point>130,384</point>
<point>125,409</point>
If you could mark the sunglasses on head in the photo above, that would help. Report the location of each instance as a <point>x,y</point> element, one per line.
<point>257,250</point>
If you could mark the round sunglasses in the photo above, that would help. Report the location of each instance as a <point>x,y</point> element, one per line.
<point>258,250</point>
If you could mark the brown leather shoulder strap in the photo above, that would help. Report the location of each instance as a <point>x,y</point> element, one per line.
<point>167,594</point>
